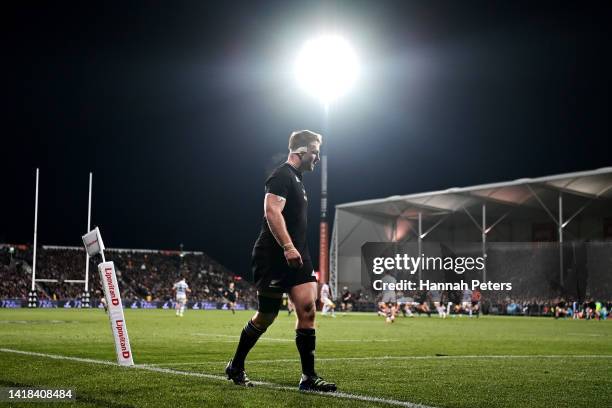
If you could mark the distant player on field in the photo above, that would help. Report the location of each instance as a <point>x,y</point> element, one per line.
<point>466,301</point>
<point>181,289</point>
<point>476,296</point>
<point>423,303</point>
<point>388,301</point>
<point>287,302</point>
<point>103,302</point>
<point>347,300</point>
<point>328,304</point>
<point>281,263</point>
<point>231,295</point>
<point>436,298</point>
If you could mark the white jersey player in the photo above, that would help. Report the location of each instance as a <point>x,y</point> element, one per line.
<point>388,302</point>
<point>436,298</point>
<point>328,305</point>
<point>466,301</point>
<point>181,289</point>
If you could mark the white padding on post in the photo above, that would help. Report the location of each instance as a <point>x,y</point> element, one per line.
<point>93,242</point>
<point>115,313</point>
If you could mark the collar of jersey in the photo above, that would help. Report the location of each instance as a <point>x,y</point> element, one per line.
<point>293,169</point>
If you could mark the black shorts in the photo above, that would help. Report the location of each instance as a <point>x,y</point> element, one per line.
<point>231,299</point>
<point>272,274</point>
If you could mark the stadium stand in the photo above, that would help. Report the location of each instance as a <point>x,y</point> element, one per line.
<point>149,275</point>
<point>142,274</point>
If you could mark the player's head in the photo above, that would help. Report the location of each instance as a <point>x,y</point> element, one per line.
<point>306,146</point>
<point>231,285</point>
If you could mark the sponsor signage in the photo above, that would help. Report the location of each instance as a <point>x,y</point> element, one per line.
<point>115,313</point>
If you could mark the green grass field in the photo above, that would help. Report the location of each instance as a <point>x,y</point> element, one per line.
<point>459,362</point>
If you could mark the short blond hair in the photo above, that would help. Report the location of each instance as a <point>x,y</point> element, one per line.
<point>303,138</point>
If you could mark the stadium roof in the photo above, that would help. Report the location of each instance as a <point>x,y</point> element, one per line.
<point>579,190</point>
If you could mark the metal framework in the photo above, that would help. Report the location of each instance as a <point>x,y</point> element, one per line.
<point>333,260</point>
<point>505,196</point>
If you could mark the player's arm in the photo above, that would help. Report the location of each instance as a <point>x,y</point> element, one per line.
<point>273,208</point>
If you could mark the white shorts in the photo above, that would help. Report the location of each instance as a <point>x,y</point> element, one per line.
<point>181,299</point>
<point>389,297</point>
<point>327,301</point>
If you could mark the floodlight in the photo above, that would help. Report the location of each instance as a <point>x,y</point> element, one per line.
<point>327,67</point>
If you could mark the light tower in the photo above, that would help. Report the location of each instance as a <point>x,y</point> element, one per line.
<point>326,68</point>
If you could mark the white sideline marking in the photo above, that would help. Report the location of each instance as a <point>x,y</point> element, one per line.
<point>362,341</point>
<point>229,336</point>
<point>473,357</point>
<point>264,338</point>
<point>342,395</point>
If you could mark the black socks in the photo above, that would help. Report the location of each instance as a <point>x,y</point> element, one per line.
<point>305,341</point>
<point>249,336</point>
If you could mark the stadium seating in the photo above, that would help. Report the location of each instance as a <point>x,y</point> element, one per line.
<point>142,274</point>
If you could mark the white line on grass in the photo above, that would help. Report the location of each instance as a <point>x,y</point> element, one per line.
<point>146,367</point>
<point>473,357</point>
<point>229,336</point>
<point>361,341</point>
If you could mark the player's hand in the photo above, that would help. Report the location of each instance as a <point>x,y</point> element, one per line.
<point>293,257</point>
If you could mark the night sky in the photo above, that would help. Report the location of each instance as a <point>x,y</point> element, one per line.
<point>180,110</point>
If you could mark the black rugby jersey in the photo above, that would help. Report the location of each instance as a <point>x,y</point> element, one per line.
<point>230,294</point>
<point>286,182</point>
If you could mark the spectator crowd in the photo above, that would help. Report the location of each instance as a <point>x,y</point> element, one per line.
<point>150,274</point>
<point>141,274</point>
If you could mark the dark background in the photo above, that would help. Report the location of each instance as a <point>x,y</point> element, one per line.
<point>180,108</point>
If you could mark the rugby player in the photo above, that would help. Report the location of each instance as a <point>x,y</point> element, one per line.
<point>436,298</point>
<point>281,263</point>
<point>388,301</point>
<point>287,303</point>
<point>476,296</point>
<point>181,289</point>
<point>466,302</point>
<point>347,300</point>
<point>104,304</point>
<point>423,303</point>
<point>328,304</point>
<point>231,295</point>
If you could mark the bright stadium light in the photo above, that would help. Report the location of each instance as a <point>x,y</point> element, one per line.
<point>327,67</point>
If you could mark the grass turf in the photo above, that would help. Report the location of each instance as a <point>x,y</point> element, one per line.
<point>458,362</point>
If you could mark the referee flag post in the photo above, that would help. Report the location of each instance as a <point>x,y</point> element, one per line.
<point>94,245</point>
